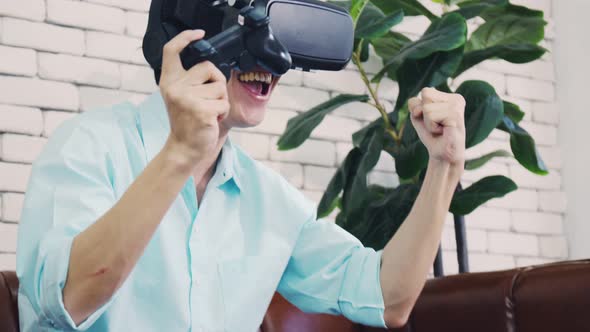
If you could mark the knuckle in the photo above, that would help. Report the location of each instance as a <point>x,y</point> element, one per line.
<point>459,100</point>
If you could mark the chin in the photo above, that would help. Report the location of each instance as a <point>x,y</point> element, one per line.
<point>244,117</point>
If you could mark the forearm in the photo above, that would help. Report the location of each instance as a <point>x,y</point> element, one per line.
<point>409,254</point>
<point>103,255</point>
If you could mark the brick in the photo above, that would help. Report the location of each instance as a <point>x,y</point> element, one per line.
<point>543,134</point>
<point>450,264</point>
<point>91,98</point>
<point>137,5</point>
<point>414,25</point>
<point>551,156</point>
<point>521,199</point>
<point>18,61</point>
<point>290,171</point>
<point>448,241</point>
<point>317,178</point>
<point>275,122</point>
<point>553,201</point>
<point>541,70</point>
<point>531,261</point>
<point>385,163</point>
<point>357,110</point>
<point>86,15</point>
<point>7,262</point>
<point>477,240</point>
<point>490,262</point>
<point>292,77</point>
<point>526,179</point>
<point>296,98</point>
<point>22,120</point>
<point>312,152</point>
<point>511,243</point>
<point>14,177</point>
<point>20,148</point>
<point>487,146</point>
<point>41,36</point>
<point>257,146</point>
<point>53,119</point>
<point>388,91</point>
<point>12,204</point>
<point>530,89</point>
<point>114,47</point>
<point>336,128</point>
<point>489,218</point>
<point>497,80</point>
<point>386,179</point>
<point>374,64</point>
<point>553,247</point>
<point>8,237</point>
<point>537,223</point>
<point>27,9</point>
<point>342,150</point>
<point>546,113</point>
<point>343,81</point>
<point>38,93</point>
<point>81,70</point>
<point>136,23</point>
<point>138,78</point>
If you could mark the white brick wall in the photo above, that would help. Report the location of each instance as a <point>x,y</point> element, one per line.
<point>59,57</point>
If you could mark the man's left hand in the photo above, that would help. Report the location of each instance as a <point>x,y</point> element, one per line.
<point>439,121</point>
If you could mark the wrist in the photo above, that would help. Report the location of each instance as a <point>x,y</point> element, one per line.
<point>451,171</point>
<point>180,157</point>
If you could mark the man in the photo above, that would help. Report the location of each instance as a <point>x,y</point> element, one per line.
<point>148,218</point>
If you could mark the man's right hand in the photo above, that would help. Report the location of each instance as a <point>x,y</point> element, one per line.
<point>196,100</point>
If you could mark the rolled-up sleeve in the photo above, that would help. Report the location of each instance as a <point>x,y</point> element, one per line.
<point>330,271</point>
<point>69,188</point>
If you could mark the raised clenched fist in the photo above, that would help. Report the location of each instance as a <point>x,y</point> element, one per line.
<point>439,121</point>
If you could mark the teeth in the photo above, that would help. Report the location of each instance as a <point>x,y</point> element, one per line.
<point>260,77</point>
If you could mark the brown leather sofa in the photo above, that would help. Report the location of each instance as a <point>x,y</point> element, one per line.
<point>546,298</point>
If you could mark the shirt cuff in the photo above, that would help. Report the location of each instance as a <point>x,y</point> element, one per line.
<point>53,281</point>
<point>361,298</point>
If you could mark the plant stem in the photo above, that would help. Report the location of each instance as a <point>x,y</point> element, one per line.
<point>388,127</point>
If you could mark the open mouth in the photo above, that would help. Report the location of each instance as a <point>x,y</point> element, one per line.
<point>258,83</point>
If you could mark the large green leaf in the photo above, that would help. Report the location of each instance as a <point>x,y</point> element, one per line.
<point>510,9</point>
<point>471,9</point>
<point>523,147</point>
<point>507,29</point>
<point>428,72</point>
<point>466,201</point>
<point>384,215</point>
<point>356,7</point>
<point>345,172</point>
<point>387,47</point>
<point>445,34</point>
<point>410,7</point>
<point>371,150</point>
<point>483,111</point>
<point>479,162</point>
<point>300,127</point>
<point>411,156</point>
<point>513,112</point>
<point>515,53</point>
<point>380,27</point>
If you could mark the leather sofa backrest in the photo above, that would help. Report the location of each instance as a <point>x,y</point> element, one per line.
<point>546,298</point>
<point>8,304</point>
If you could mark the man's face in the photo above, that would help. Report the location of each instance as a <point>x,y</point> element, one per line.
<point>248,94</point>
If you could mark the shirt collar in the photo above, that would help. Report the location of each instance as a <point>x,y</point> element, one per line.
<point>154,128</point>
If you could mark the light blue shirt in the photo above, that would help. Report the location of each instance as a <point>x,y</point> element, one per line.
<point>209,267</point>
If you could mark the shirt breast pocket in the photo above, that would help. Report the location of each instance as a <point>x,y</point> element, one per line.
<point>247,285</point>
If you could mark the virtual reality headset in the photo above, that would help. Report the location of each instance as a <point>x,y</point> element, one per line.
<point>276,35</point>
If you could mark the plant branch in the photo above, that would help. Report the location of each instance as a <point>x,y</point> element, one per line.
<point>377,104</point>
